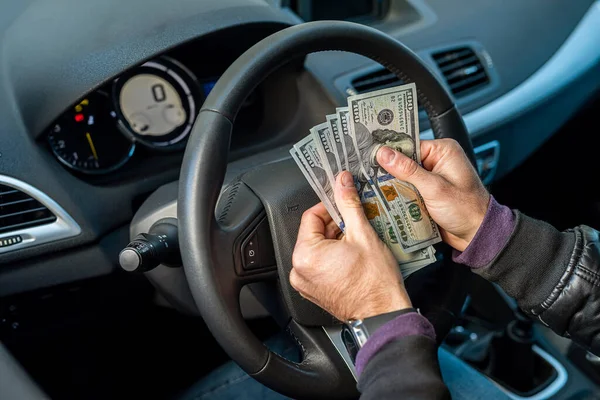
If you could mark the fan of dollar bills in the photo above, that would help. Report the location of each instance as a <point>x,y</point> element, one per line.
<point>349,140</point>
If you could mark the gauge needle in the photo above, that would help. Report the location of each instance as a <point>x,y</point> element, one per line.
<point>89,139</point>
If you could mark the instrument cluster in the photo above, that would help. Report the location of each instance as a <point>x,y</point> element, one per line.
<point>154,105</point>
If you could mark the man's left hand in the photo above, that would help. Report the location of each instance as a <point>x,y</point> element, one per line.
<point>354,277</point>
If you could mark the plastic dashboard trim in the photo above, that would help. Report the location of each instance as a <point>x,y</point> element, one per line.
<point>578,55</point>
<point>64,227</point>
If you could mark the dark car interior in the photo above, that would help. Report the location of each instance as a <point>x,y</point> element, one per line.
<point>88,170</point>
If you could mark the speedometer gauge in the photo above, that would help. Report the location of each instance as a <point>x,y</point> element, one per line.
<point>85,137</point>
<point>157,103</point>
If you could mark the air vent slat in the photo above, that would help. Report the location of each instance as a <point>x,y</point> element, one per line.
<point>462,63</point>
<point>380,79</point>
<point>374,82</point>
<point>22,212</point>
<point>19,210</point>
<point>11,203</point>
<point>446,57</point>
<point>464,82</point>
<point>462,69</point>
<point>27,224</point>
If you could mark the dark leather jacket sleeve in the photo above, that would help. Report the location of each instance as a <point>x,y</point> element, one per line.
<point>406,368</point>
<point>554,276</point>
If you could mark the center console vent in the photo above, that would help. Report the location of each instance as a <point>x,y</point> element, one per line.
<point>363,11</point>
<point>19,210</point>
<point>378,79</point>
<point>462,70</point>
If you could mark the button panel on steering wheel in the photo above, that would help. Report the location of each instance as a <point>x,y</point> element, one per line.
<point>257,249</point>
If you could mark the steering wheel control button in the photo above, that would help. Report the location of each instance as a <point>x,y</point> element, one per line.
<point>257,249</point>
<point>250,252</point>
<point>149,250</point>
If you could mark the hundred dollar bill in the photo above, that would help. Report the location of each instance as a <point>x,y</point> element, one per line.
<point>408,262</point>
<point>350,155</point>
<point>334,128</point>
<point>389,117</point>
<point>324,142</point>
<point>318,190</point>
<point>306,151</point>
<point>352,158</point>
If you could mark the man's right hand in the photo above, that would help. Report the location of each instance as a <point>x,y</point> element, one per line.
<point>453,193</point>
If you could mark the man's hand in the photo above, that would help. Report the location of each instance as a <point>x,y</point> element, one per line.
<point>354,277</point>
<point>453,193</point>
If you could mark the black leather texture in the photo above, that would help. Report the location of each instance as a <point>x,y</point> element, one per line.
<point>554,278</point>
<point>445,125</point>
<point>205,244</point>
<point>577,294</point>
<point>297,41</point>
<point>285,195</point>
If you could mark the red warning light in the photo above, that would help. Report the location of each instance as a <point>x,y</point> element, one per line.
<point>79,117</point>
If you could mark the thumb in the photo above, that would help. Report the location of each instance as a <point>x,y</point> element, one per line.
<point>404,168</point>
<point>348,203</point>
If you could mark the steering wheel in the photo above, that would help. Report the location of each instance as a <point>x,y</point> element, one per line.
<point>269,201</point>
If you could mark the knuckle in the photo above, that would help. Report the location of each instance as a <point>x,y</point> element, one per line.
<point>449,142</point>
<point>300,258</point>
<point>295,280</point>
<point>447,145</point>
<point>407,166</point>
<point>296,259</point>
<point>454,146</point>
<point>305,216</point>
<point>351,200</point>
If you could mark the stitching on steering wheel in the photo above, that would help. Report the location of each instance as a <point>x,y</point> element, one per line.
<point>304,352</point>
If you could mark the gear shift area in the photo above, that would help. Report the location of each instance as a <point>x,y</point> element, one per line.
<point>509,354</point>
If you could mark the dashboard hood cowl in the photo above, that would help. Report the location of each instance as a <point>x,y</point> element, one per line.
<point>50,60</point>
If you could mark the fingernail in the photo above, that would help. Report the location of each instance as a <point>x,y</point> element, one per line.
<point>386,155</point>
<point>347,180</point>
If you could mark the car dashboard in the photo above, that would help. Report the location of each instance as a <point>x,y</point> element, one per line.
<point>96,106</point>
<point>137,123</point>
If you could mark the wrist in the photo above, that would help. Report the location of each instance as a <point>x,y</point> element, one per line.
<point>477,215</point>
<point>388,304</point>
<point>491,237</point>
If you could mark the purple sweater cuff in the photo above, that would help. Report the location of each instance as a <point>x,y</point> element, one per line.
<point>404,325</point>
<point>491,237</point>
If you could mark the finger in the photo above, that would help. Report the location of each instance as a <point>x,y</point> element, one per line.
<point>348,203</point>
<point>313,223</point>
<point>332,230</point>
<point>432,151</point>
<point>296,280</point>
<point>403,167</point>
<point>320,210</point>
<point>430,154</point>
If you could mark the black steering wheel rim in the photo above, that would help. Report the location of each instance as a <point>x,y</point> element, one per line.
<point>202,175</point>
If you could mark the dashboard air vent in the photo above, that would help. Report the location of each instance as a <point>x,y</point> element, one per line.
<point>462,69</point>
<point>18,210</point>
<point>379,79</point>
